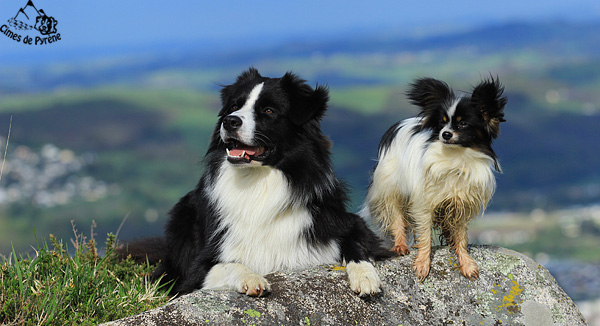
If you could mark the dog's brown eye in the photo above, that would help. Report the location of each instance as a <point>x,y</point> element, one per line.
<point>234,108</point>
<point>268,110</point>
<point>462,124</point>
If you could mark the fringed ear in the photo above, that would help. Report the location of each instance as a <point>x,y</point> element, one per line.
<point>250,74</point>
<point>227,90</point>
<point>487,97</point>
<point>306,103</point>
<point>429,93</point>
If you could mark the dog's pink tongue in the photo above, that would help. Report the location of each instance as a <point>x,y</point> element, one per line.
<point>239,150</point>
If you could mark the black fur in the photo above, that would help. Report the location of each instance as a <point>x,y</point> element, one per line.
<point>481,113</point>
<point>295,144</point>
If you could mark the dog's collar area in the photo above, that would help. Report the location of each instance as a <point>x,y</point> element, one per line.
<point>238,153</point>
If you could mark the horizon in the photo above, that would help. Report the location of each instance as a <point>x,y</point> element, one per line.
<point>249,26</point>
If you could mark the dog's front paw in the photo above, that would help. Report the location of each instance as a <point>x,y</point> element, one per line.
<point>254,285</point>
<point>363,278</point>
<point>421,267</point>
<point>237,277</point>
<point>401,249</point>
<point>469,270</point>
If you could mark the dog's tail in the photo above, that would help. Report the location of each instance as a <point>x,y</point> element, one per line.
<point>151,250</point>
<point>378,251</point>
<point>362,243</point>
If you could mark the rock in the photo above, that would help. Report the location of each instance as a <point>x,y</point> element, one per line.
<point>512,289</point>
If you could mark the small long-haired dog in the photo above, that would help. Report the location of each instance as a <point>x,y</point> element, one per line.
<point>436,169</point>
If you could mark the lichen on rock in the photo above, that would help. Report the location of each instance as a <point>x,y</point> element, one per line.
<point>512,289</point>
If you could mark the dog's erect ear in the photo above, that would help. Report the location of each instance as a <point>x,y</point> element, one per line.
<point>306,103</point>
<point>487,97</point>
<point>429,93</point>
<point>247,76</point>
<point>250,74</point>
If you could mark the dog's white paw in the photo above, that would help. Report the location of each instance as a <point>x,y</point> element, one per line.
<point>363,278</point>
<point>237,277</point>
<point>254,285</point>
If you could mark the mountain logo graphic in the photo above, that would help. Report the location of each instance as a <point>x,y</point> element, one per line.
<point>29,17</point>
<point>27,22</point>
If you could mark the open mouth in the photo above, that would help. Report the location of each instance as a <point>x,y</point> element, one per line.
<point>238,153</point>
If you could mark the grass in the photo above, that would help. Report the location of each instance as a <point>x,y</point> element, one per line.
<point>58,288</point>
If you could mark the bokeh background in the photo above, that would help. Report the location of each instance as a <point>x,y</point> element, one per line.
<point>111,122</point>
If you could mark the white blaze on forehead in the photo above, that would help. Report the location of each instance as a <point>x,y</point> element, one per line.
<point>452,109</point>
<point>246,113</point>
<point>251,100</point>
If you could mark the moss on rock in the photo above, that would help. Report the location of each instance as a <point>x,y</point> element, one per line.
<point>512,290</point>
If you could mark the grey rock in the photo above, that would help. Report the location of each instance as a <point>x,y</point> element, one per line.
<point>512,289</point>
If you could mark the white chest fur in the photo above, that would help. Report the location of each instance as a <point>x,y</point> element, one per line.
<point>264,225</point>
<point>459,172</point>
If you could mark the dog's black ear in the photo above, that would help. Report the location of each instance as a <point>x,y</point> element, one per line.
<point>306,103</point>
<point>487,97</point>
<point>429,93</point>
<point>248,75</point>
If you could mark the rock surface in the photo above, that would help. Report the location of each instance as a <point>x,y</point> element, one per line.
<point>512,289</point>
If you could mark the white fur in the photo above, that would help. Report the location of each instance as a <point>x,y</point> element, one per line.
<point>452,108</point>
<point>399,170</point>
<point>236,277</point>
<point>453,170</point>
<point>448,127</point>
<point>426,173</point>
<point>265,226</point>
<point>363,278</point>
<point>246,113</point>
<point>453,174</point>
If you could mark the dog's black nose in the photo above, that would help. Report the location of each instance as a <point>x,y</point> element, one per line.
<point>446,135</point>
<point>232,122</point>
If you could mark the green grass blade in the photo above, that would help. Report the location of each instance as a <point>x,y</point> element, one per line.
<point>18,270</point>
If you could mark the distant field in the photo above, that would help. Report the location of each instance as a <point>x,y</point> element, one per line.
<point>147,124</point>
<point>568,234</point>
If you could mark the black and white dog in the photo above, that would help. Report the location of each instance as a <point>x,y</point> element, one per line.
<point>268,199</point>
<point>436,169</point>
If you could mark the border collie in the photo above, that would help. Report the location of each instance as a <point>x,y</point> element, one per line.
<point>436,169</point>
<point>268,199</point>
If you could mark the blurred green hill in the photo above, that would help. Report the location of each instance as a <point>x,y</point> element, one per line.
<point>144,120</point>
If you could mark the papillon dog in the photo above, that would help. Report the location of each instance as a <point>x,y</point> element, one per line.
<point>435,170</point>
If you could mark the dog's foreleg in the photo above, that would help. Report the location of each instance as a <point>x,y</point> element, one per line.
<point>237,277</point>
<point>389,211</point>
<point>399,232</point>
<point>467,265</point>
<point>423,223</point>
<point>363,278</point>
